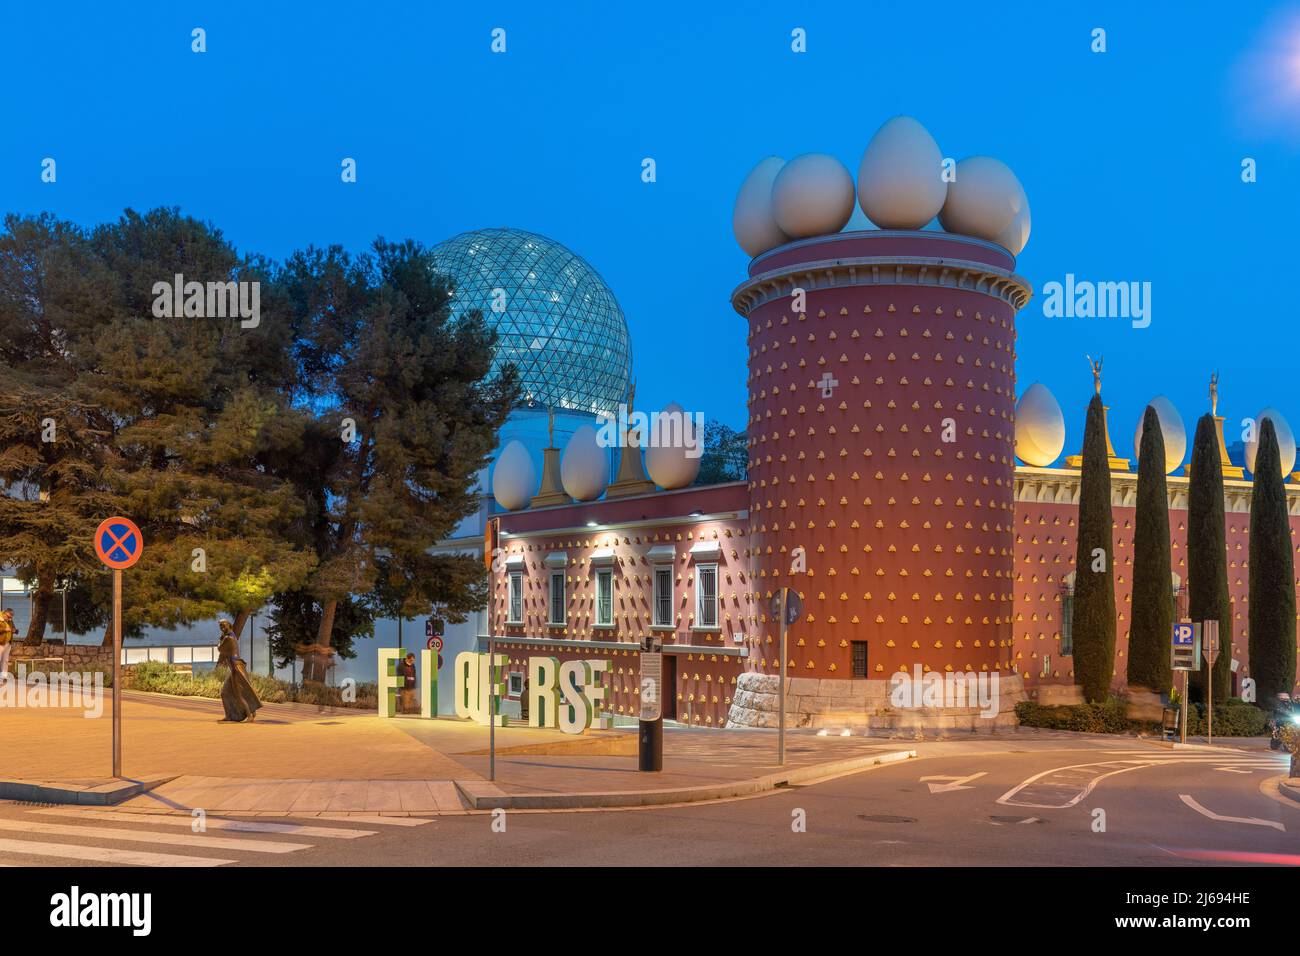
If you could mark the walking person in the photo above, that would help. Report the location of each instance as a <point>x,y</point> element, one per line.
<point>408,685</point>
<point>237,694</point>
<point>7,631</point>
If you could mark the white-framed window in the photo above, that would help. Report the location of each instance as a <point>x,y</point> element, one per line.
<point>663,596</point>
<point>604,597</point>
<point>556,613</point>
<point>515,611</point>
<point>706,596</point>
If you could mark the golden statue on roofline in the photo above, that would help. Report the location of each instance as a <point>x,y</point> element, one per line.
<point>1096,372</point>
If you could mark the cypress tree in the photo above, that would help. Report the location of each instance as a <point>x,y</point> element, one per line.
<point>1207,554</point>
<point>1093,619</point>
<point>1152,613</point>
<point>1272,575</point>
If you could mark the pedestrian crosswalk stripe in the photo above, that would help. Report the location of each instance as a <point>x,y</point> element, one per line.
<point>212,823</point>
<point>146,836</point>
<point>99,854</point>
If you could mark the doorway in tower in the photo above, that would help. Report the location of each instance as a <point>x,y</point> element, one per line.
<point>668,681</point>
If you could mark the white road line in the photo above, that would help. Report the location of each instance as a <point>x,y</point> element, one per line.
<point>1231,770</point>
<point>956,783</point>
<point>1253,821</point>
<point>145,836</point>
<point>101,854</point>
<point>213,823</point>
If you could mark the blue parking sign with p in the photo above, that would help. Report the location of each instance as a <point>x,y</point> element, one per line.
<point>1184,635</point>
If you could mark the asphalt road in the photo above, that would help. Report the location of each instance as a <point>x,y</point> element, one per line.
<point>1073,802</point>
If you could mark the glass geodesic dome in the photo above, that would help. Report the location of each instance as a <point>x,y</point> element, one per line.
<point>560,324</point>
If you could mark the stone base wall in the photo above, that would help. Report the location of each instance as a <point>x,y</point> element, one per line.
<point>76,657</point>
<point>862,704</point>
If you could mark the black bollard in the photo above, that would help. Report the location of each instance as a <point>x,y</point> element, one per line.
<point>650,745</point>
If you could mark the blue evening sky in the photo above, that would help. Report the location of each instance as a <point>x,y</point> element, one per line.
<point>1131,158</point>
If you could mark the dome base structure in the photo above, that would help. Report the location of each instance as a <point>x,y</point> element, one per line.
<point>867,705</point>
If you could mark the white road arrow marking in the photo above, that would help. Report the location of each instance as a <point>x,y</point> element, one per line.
<point>958,783</point>
<point>1231,770</point>
<point>1254,821</point>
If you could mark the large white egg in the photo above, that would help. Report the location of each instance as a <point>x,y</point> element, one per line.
<point>1040,427</point>
<point>1171,430</point>
<point>673,458</point>
<point>752,222</point>
<point>1016,236</point>
<point>584,469</point>
<point>984,200</point>
<point>900,178</point>
<point>1285,441</point>
<point>514,479</point>
<point>812,195</point>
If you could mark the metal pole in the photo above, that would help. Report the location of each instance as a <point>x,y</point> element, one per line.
<point>780,732</point>
<point>117,673</point>
<point>492,712</point>
<point>1209,696</point>
<point>65,617</point>
<point>1183,722</point>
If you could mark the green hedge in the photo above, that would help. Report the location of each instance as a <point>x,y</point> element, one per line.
<point>1233,719</point>
<point>161,678</point>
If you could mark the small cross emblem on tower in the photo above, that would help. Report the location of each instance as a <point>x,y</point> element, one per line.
<point>828,384</point>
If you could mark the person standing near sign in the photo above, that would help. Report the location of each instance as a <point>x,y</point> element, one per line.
<point>7,630</point>
<point>409,684</point>
<point>237,694</point>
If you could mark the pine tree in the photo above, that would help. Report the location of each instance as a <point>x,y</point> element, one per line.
<point>1272,631</point>
<point>51,442</point>
<point>1093,621</point>
<point>200,405</point>
<point>1207,554</point>
<point>1152,614</point>
<point>404,388</point>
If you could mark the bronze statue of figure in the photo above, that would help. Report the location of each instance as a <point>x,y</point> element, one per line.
<point>1096,373</point>
<point>237,695</point>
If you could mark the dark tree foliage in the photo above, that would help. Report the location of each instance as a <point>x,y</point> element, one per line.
<point>1152,614</point>
<point>1272,632</point>
<point>1207,554</point>
<point>295,622</point>
<point>403,386</point>
<point>726,455</point>
<point>52,444</point>
<point>1093,621</point>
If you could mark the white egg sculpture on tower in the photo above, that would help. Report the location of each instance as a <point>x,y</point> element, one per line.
<point>1285,441</point>
<point>584,468</point>
<point>1016,236</point>
<point>812,195</point>
<point>514,479</point>
<point>752,222</point>
<point>672,434</point>
<point>900,178</point>
<point>983,200</point>
<point>1040,427</point>
<point>1171,430</point>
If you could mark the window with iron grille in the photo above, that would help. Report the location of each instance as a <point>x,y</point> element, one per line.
<point>516,610</point>
<point>604,597</point>
<point>663,597</point>
<point>706,595</point>
<point>859,658</point>
<point>556,615</point>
